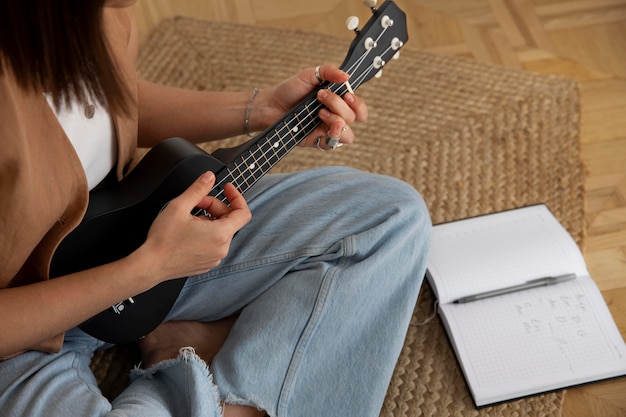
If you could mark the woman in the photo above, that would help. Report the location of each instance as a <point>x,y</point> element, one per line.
<point>300,309</point>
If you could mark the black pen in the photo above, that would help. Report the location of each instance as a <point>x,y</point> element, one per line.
<point>533,283</point>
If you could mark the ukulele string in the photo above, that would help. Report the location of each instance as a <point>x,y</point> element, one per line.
<point>280,135</point>
<point>254,155</point>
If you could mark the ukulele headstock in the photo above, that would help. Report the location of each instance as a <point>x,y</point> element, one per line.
<point>378,42</point>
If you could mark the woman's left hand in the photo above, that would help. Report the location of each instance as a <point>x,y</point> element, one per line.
<point>338,112</point>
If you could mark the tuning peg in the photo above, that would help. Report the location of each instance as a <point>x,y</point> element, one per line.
<point>396,44</point>
<point>386,22</point>
<point>370,44</point>
<point>371,4</point>
<point>379,74</point>
<point>352,23</point>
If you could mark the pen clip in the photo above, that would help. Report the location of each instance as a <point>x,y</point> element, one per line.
<point>544,279</point>
<point>553,279</point>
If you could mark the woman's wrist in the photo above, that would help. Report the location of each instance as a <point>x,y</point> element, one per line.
<point>258,115</point>
<point>246,123</point>
<point>144,267</point>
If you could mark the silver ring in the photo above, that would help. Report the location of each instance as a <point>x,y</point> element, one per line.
<point>317,74</point>
<point>333,143</point>
<point>344,128</point>
<point>317,143</point>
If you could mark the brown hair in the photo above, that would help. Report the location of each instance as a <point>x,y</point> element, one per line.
<point>58,46</point>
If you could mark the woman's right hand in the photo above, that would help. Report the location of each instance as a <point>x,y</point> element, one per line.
<point>180,244</point>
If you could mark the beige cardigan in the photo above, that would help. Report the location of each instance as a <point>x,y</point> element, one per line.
<point>42,182</point>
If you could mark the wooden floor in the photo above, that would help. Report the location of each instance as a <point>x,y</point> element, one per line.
<point>580,39</point>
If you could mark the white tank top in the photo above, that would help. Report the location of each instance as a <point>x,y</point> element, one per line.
<point>90,129</point>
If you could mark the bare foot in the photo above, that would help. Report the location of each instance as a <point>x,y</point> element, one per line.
<point>165,341</point>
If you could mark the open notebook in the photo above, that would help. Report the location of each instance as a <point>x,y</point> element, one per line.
<point>523,342</point>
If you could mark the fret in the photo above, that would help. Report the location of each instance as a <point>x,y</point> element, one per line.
<point>267,161</point>
<point>292,125</point>
<point>314,120</point>
<point>273,147</point>
<point>301,132</point>
<point>270,155</point>
<point>251,167</point>
<point>290,130</point>
<point>232,179</point>
<point>260,151</point>
<point>307,127</point>
<point>293,132</point>
<point>241,175</point>
<point>257,166</point>
<point>280,140</point>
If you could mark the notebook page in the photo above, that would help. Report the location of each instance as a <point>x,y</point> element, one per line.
<point>536,340</point>
<point>499,250</point>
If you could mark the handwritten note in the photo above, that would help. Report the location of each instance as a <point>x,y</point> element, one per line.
<point>543,331</point>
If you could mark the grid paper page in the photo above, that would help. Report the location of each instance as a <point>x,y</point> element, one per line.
<point>499,250</point>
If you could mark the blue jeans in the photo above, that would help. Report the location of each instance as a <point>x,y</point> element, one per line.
<point>325,277</point>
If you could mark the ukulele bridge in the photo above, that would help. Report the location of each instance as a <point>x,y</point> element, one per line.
<point>119,307</point>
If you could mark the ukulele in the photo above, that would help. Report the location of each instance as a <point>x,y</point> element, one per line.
<point>118,217</point>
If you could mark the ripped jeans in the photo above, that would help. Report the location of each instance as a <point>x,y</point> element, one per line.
<point>325,278</point>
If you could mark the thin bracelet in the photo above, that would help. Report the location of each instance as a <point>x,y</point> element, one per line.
<point>246,123</point>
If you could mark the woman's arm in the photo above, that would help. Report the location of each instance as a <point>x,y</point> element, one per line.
<point>203,116</point>
<point>197,116</point>
<point>175,247</point>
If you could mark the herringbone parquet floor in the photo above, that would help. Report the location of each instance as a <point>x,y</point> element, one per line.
<point>580,39</point>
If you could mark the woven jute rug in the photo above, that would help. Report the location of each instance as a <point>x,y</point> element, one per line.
<point>471,138</point>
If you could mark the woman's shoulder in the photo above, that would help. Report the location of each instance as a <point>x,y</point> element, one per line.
<point>121,22</point>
